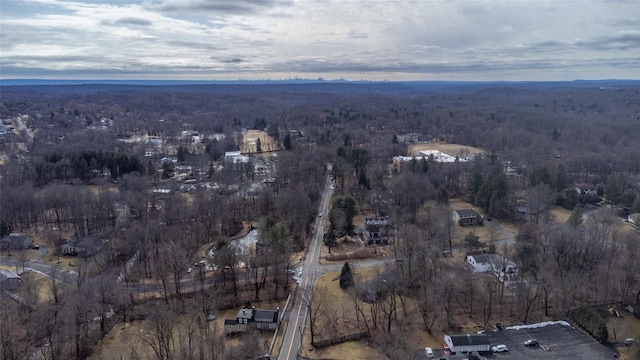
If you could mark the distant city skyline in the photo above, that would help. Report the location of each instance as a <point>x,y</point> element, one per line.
<point>396,40</point>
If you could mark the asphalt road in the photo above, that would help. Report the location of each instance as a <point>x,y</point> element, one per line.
<point>53,271</point>
<point>297,316</point>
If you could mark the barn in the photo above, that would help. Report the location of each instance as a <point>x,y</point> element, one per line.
<point>467,342</point>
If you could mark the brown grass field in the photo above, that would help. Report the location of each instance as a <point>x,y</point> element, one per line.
<point>249,142</point>
<point>341,304</point>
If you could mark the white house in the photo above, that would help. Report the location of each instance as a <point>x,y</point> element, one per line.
<point>235,157</point>
<point>480,263</point>
<point>500,266</point>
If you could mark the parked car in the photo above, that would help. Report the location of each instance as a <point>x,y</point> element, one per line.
<point>429,352</point>
<point>446,350</point>
<point>499,348</point>
<point>531,342</point>
<point>629,341</point>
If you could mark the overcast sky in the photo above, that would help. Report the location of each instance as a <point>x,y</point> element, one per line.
<point>351,39</point>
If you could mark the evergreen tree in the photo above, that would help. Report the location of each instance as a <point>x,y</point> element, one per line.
<point>287,142</point>
<point>346,276</point>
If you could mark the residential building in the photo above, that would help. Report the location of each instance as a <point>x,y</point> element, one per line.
<point>503,268</point>
<point>9,280</point>
<point>15,241</point>
<point>250,318</point>
<point>375,231</point>
<point>467,217</point>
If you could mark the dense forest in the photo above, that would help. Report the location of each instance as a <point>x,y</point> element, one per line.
<point>109,163</point>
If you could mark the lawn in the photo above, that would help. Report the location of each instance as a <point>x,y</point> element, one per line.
<point>342,304</point>
<point>249,140</point>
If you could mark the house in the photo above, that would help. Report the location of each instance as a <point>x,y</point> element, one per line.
<point>413,138</point>
<point>503,268</point>
<point>467,342</point>
<point>250,318</point>
<point>9,280</point>
<point>84,247</point>
<point>266,319</point>
<point>235,157</point>
<point>375,231</point>
<point>467,217</point>
<point>15,241</point>
<point>480,263</point>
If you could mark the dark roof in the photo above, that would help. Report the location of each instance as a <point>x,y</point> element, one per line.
<point>230,322</point>
<point>266,316</point>
<point>245,313</point>
<point>469,339</point>
<point>8,274</point>
<point>483,258</point>
<point>467,212</point>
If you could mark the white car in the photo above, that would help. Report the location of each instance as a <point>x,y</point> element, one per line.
<point>499,348</point>
<point>429,352</point>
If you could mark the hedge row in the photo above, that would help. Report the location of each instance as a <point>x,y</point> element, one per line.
<point>591,321</point>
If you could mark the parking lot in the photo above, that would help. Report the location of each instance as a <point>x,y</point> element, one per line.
<point>557,341</point>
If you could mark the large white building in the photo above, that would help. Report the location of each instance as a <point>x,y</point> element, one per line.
<point>467,342</point>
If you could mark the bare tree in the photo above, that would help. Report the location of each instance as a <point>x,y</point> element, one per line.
<point>318,305</point>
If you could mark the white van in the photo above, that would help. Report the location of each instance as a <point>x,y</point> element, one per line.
<point>429,352</point>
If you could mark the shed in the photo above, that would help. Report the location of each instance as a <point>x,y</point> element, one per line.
<point>468,342</point>
<point>9,280</point>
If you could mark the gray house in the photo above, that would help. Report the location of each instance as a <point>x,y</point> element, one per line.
<point>467,217</point>
<point>250,318</point>
<point>9,280</point>
<point>375,231</point>
<point>15,241</point>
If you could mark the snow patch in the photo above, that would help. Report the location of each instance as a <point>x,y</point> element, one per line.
<point>538,325</point>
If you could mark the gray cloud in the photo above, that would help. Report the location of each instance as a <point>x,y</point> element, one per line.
<point>129,21</point>
<point>195,45</point>
<point>632,23</point>
<point>232,61</point>
<point>217,6</point>
<point>622,41</point>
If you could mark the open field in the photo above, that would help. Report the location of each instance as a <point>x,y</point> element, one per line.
<point>250,138</point>
<point>341,304</point>
<point>450,149</point>
<point>559,214</point>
